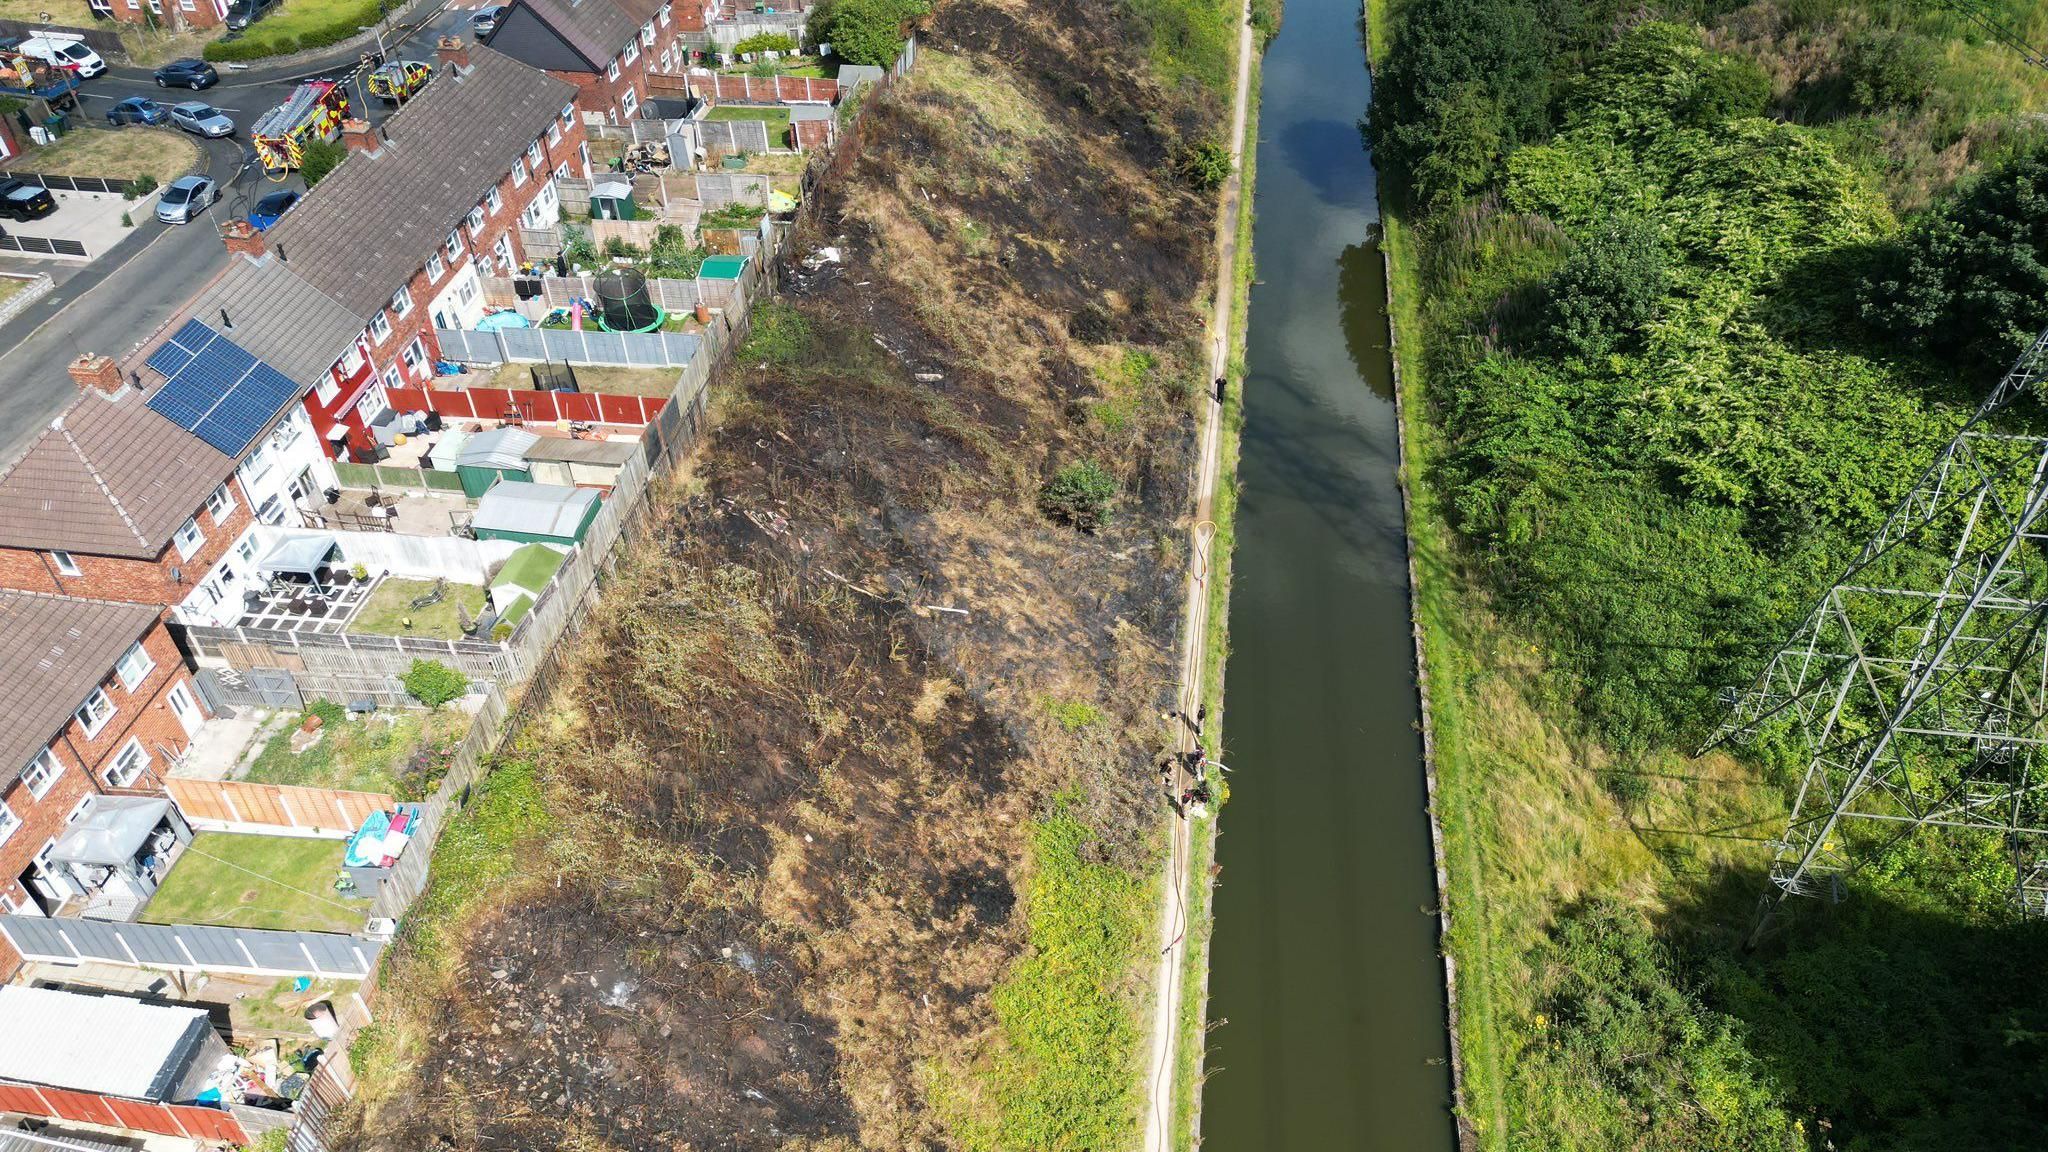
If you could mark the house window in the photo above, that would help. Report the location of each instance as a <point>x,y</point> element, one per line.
<point>188,538</point>
<point>414,356</point>
<point>247,549</point>
<point>533,156</point>
<point>351,361</point>
<point>664,15</point>
<point>256,467</point>
<point>134,666</point>
<point>65,564</point>
<point>453,246</point>
<point>476,220</point>
<point>41,773</point>
<point>612,72</point>
<point>631,53</point>
<point>562,170</point>
<point>380,328</point>
<point>519,173</point>
<point>629,102</point>
<point>220,504</point>
<point>94,713</point>
<point>435,267</point>
<point>401,302</point>
<point>391,380</point>
<point>493,201</point>
<point>271,511</point>
<point>504,250</point>
<point>326,390</point>
<point>128,764</point>
<point>647,33</point>
<point>568,115</point>
<point>9,822</point>
<point>554,134</point>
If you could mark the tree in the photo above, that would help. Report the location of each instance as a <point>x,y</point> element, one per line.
<point>1970,278</point>
<point>1078,495</point>
<point>865,31</point>
<point>1889,69</point>
<point>1608,288</point>
<point>319,159</point>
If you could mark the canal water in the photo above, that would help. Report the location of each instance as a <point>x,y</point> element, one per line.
<point>1324,960</point>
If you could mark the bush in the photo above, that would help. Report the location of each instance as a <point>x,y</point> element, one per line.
<point>765,42</point>
<point>1889,69</point>
<point>865,31</point>
<point>1205,165</point>
<point>577,247</point>
<point>320,158</point>
<point>1608,288</point>
<point>433,683</point>
<point>1078,495</point>
<point>141,186</point>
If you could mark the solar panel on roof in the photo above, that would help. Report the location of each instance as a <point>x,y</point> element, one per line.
<point>219,392</point>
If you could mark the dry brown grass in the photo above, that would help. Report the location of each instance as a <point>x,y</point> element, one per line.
<point>115,154</point>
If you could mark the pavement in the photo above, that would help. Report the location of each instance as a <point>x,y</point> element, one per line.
<point>1163,1052</point>
<point>115,302</point>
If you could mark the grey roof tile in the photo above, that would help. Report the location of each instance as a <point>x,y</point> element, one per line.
<point>56,650</point>
<point>277,316</point>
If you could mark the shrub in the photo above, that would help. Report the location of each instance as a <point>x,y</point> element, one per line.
<point>1205,165</point>
<point>141,186</point>
<point>577,247</point>
<point>865,31</point>
<point>765,42</point>
<point>433,683</point>
<point>1608,288</point>
<point>1889,69</point>
<point>1078,495</point>
<point>320,158</point>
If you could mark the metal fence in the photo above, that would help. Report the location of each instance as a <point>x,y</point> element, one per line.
<point>55,183</point>
<point>624,349</point>
<point>38,246</point>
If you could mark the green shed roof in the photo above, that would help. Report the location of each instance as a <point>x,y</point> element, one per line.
<point>722,268</point>
<point>532,566</point>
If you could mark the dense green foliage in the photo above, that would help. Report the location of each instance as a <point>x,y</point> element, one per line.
<point>1191,40</point>
<point>433,683</point>
<point>1204,165</point>
<point>765,42</point>
<point>320,158</point>
<point>1664,295</point>
<point>865,31</point>
<point>1079,495</point>
<point>1971,277</point>
<point>299,26</point>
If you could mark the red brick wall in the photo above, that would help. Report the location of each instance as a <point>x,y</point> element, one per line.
<point>121,578</point>
<point>174,15</point>
<point>143,714</point>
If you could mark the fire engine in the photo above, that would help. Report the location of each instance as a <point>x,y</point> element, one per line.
<point>315,111</point>
<point>396,82</point>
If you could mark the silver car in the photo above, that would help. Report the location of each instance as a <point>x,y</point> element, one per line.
<point>201,119</point>
<point>185,199</point>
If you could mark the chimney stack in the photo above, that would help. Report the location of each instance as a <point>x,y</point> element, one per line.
<point>454,52</point>
<point>358,136</point>
<point>96,373</point>
<point>242,236</point>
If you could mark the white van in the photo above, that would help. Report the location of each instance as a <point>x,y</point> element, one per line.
<point>63,50</point>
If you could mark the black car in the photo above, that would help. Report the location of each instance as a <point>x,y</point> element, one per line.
<point>188,73</point>
<point>20,200</point>
<point>243,13</point>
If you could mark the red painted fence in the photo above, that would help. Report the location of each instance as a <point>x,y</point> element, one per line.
<point>526,404</point>
<point>188,1121</point>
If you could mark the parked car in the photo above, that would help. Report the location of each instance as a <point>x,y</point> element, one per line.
<point>484,21</point>
<point>185,198</point>
<point>60,50</point>
<point>190,72</point>
<point>21,200</point>
<point>138,110</point>
<point>242,13</point>
<point>201,119</point>
<point>271,207</point>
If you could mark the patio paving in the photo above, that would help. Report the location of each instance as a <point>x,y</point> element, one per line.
<point>302,609</point>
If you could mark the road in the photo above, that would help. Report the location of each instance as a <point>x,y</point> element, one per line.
<point>1162,1059</point>
<point>120,298</point>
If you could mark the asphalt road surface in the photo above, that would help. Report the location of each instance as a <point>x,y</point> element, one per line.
<point>118,300</point>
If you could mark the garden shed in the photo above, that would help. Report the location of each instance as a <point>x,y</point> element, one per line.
<point>488,457</point>
<point>560,460</point>
<point>530,513</point>
<point>722,268</point>
<point>525,573</point>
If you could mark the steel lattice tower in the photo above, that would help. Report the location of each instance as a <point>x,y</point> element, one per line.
<point>1918,684</point>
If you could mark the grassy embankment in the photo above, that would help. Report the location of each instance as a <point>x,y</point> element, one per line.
<point>1601,881</point>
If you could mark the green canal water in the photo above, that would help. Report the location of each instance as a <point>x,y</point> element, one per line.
<point>1324,967</point>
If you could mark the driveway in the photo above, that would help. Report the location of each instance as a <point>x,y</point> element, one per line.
<point>121,298</point>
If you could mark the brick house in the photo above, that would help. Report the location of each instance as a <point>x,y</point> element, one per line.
<point>173,14</point>
<point>96,702</point>
<point>402,232</point>
<point>606,48</point>
<point>114,502</point>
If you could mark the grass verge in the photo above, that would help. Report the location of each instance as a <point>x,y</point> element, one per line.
<point>282,882</point>
<point>297,26</point>
<point>116,154</point>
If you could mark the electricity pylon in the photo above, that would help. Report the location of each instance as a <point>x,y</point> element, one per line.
<point>1918,684</point>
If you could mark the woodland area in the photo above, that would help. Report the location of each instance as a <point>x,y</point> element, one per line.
<point>1689,292</point>
<point>839,828</point>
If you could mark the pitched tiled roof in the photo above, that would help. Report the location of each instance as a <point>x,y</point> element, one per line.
<point>56,650</point>
<point>376,218</point>
<point>597,29</point>
<point>108,477</point>
<point>277,316</point>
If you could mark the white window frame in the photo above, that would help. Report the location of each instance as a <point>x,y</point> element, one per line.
<point>91,718</point>
<point>414,356</point>
<point>9,822</point>
<point>555,133</point>
<point>647,33</point>
<point>401,301</point>
<point>453,246</point>
<point>435,267</point>
<point>133,678</point>
<point>631,53</point>
<point>41,773</point>
<point>326,390</point>
<point>664,15</point>
<point>67,564</point>
<point>391,380</point>
<point>271,511</point>
<point>198,538</point>
<point>492,201</point>
<point>534,155</point>
<point>611,71</point>
<point>246,549</point>
<point>568,114</point>
<point>380,327</point>
<point>504,250</point>
<point>519,172</point>
<point>140,763</point>
<point>220,503</point>
<point>476,220</point>
<point>629,102</point>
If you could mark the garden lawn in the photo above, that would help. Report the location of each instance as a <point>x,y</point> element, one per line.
<point>116,154</point>
<point>296,25</point>
<point>777,119</point>
<point>360,755</point>
<point>390,608</point>
<point>281,882</point>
